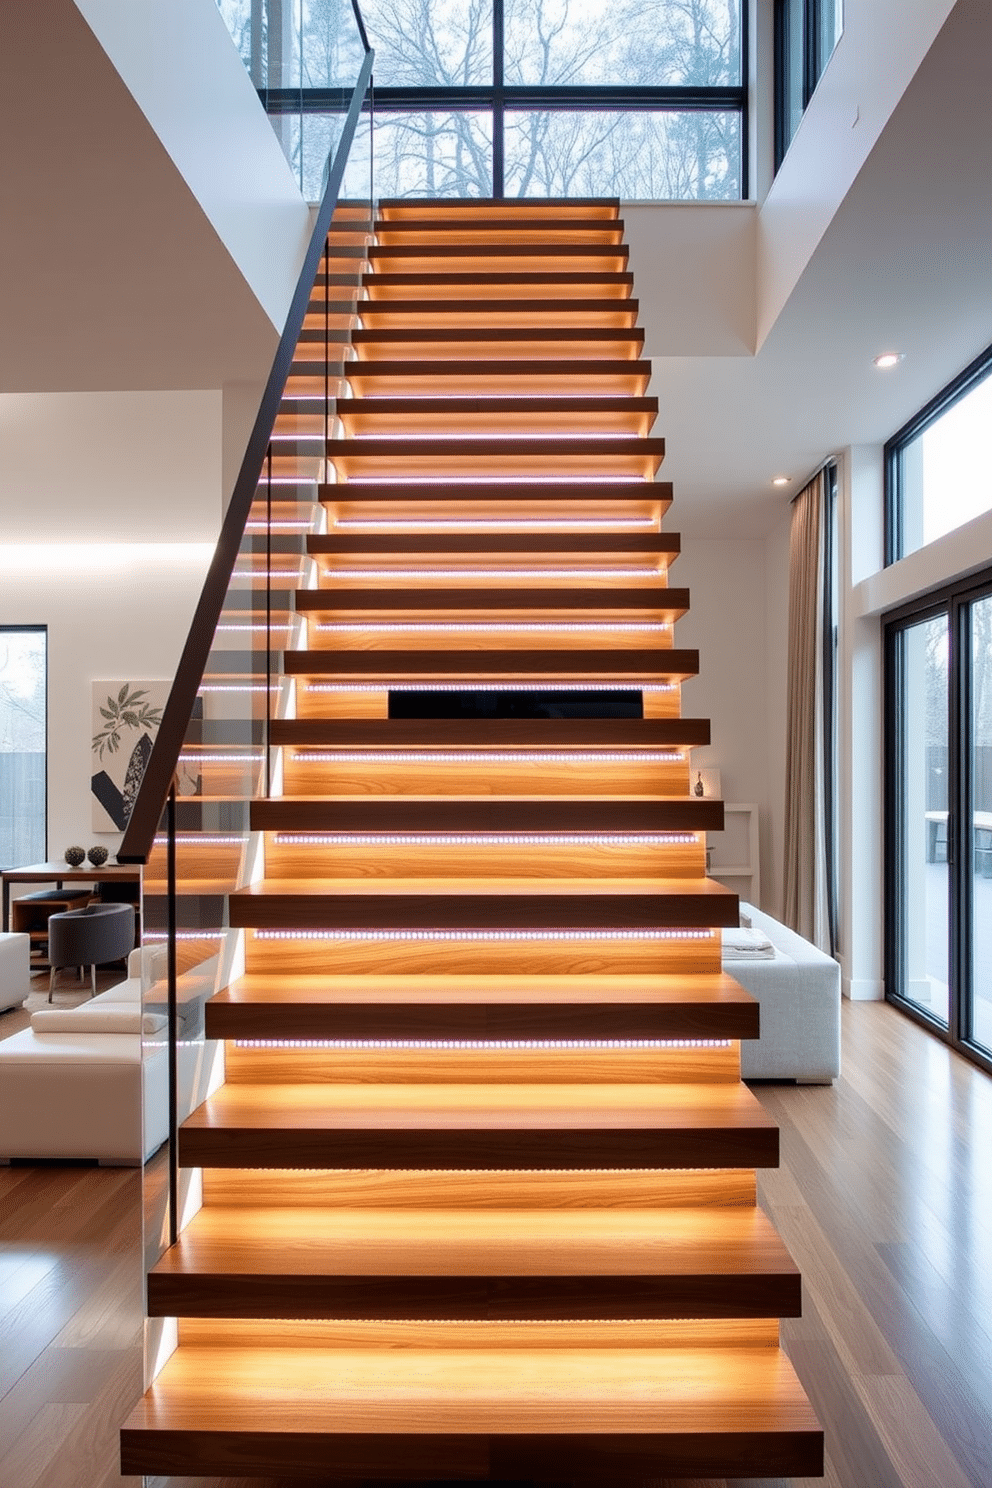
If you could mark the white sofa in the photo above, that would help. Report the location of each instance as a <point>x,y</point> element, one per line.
<point>798,989</point>
<point>15,969</point>
<point>77,1083</point>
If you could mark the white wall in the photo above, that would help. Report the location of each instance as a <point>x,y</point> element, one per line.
<point>727,622</point>
<point>180,64</point>
<point>883,44</point>
<point>110,509</point>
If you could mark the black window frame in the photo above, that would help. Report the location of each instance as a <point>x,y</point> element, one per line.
<point>498,99</point>
<point>953,600</point>
<point>42,629</point>
<point>959,387</point>
<point>812,64</point>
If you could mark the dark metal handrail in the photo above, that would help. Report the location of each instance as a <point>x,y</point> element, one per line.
<point>158,776</point>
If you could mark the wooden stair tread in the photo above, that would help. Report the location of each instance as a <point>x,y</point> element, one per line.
<point>438,251</point>
<point>480,542</point>
<point>500,374</point>
<point>504,306</point>
<point>604,493</point>
<point>505,447</point>
<point>334,1262</point>
<point>488,407</point>
<point>534,221</point>
<point>438,904</point>
<point>382,285</point>
<point>670,664</point>
<point>452,1107</point>
<point>482,1007</point>
<point>467,813</point>
<point>669,603</point>
<point>619,1413</point>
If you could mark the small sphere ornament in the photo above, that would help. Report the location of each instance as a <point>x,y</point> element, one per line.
<point>98,855</point>
<point>75,855</point>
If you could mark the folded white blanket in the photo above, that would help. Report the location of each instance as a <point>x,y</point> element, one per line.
<point>108,1018</point>
<point>740,944</point>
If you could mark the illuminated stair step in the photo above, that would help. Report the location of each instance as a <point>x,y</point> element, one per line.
<point>498,1264</point>
<point>462,814</point>
<point>674,665</point>
<point>482,1007</point>
<point>483,903</point>
<point>666,604</point>
<point>489,374</point>
<point>609,455</point>
<point>616,1415</point>
<point>472,227</point>
<point>399,208</point>
<point>479,1126</point>
<point>458,416</point>
<point>465,343</point>
<point>611,311</point>
<point>571,285</point>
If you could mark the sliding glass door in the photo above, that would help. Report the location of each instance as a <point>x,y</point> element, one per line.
<point>978,805</point>
<point>939,815</point>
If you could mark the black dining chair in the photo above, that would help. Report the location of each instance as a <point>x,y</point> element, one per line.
<point>89,937</point>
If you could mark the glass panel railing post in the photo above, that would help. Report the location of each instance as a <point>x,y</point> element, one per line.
<point>268,621</point>
<point>172,1014</point>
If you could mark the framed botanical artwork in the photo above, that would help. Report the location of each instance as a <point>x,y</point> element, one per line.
<point>126,718</point>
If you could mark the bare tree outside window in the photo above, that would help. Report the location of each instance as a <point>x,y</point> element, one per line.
<point>671,154</point>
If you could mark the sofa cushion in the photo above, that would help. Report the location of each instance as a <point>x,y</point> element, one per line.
<point>107,1017</point>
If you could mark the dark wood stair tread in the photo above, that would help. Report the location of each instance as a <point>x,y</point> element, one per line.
<point>453,335</point>
<point>430,304</point>
<point>427,904</point>
<point>488,407</point>
<point>499,543</point>
<point>534,221</point>
<point>479,1126</point>
<point>598,814</point>
<point>669,604</point>
<point>638,1006</point>
<point>439,251</point>
<point>670,664</point>
<point>619,1415</point>
<point>482,1264</point>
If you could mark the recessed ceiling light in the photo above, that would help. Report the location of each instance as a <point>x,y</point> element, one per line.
<point>781,480</point>
<point>888,359</point>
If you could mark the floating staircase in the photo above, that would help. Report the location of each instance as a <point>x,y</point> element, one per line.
<point>479,1187</point>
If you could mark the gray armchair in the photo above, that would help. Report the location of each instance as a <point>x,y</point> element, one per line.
<point>89,937</point>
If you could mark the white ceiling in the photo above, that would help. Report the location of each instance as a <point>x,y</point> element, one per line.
<point>906,264</point>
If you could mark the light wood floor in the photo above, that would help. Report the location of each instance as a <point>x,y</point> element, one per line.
<point>884,1198</point>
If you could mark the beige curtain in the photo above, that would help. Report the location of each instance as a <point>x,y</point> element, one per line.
<point>806,893</point>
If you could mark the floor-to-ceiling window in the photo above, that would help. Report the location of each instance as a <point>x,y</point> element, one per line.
<point>939,726</point>
<point>23,744</point>
<point>641,99</point>
<point>939,814</point>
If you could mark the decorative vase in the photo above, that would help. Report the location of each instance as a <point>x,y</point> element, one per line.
<point>75,855</point>
<point>699,789</point>
<point>98,856</point>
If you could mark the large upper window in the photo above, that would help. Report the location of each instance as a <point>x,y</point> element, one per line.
<point>634,98</point>
<point>23,742</point>
<point>806,32</point>
<point>937,466</point>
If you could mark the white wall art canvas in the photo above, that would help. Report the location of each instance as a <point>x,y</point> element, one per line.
<point>126,718</point>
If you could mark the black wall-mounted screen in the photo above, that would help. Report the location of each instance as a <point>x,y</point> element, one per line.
<point>511,702</point>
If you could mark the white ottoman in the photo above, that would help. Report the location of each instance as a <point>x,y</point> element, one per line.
<point>15,970</point>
